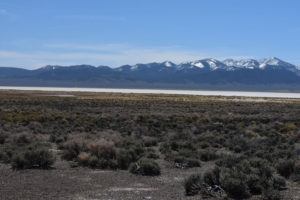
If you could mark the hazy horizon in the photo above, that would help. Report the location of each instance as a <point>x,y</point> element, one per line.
<point>176,63</point>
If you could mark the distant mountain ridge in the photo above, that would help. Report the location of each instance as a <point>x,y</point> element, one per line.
<point>265,74</point>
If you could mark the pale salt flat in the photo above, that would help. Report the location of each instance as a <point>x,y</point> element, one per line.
<point>161,91</point>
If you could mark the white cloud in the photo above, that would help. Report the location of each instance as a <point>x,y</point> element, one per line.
<point>113,55</point>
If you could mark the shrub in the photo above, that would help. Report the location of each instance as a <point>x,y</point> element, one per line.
<point>212,177</point>
<point>72,148</point>
<point>278,183</point>
<point>83,158</point>
<point>19,162</point>
<point>39,158</point>
<point>73,164</point>
<point>285,167</point>
<point>124,158</point>
<point>271,194</point>
<point>134,146</point>
<point>145,167</point>
<point>183,162</point>
<point>192,184</point>
<point>165,148</point>
<point>2,138</point>
<point>93,161</point>
<point>52,138</point>
<point>206,155</point>
<point>23,138</point>
<point>3,157</point>
<point>152,155</point>
<point>191,162</point>
<point>234,183</point>
<point>296,174</point>
<point>228,161</point>
<point>255,184</point>
<point>150,142</point>
<point>242,177</point>
<point>236,188</point>
<point>107,164</point>
<point>105,152</point>
<point>103,149</point>
<point>204,145</point>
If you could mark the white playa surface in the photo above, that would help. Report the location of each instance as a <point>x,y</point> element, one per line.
<point>160,91</point>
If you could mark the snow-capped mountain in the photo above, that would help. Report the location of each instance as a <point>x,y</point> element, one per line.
<point>58,67</point>
<point>271,74</point>
<point>264,64</point>
<point>146,67</point>
<point>208,64</point>
<point>244,63</point>
<point>275,63</point>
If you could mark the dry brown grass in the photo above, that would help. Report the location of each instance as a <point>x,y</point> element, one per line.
<point>103,149</point>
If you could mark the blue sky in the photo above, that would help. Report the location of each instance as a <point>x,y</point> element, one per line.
<point>34,33</point>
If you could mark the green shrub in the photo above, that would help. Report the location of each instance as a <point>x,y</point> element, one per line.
<point>255,184</point>
<point>279,183</point>
<point>234,183</point>
<point>19,162</point>
<point>69,154</point>
<point>212,177</point>
<point>2,138</point>
<point>124,158</point>
<point>39,158</point>
<point>236,188</point>
<point>145,167</point>
<point>191,162</point>
<point>134,147</point>
<point>271,194</point>
<point>296,174</point>
<point>183,162</point>
<point>242,177</point>
<point>206,155</point>
<point>192,184</point>
<point>107,164</point>
<point>73,164</point>
<point>4,156</point>
<point>23,138</point>
<point>72,148</point>
<point>150,142</point>
<point>204,145</point>
<point>93,161</point>
<point>229,161</point>
<point>152,155</point>
<point>52,138</point>
<point>285,167</point>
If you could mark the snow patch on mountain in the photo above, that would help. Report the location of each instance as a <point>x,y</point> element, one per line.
<point>134,67</point>
<point>243,63</point>
<point>168,64</point>
<point>197,64</point>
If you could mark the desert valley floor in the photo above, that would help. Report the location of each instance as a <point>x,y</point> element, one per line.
<point>92,142</point>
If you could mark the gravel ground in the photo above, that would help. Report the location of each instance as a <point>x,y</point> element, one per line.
<point>64,182</point>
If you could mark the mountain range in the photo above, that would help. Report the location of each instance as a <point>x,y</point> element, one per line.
<point>246,74</point>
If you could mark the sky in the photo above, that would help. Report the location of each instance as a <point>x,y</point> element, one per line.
<point>35,33</point>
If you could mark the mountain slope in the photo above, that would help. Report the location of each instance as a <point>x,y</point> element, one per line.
<point>271,73</point>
